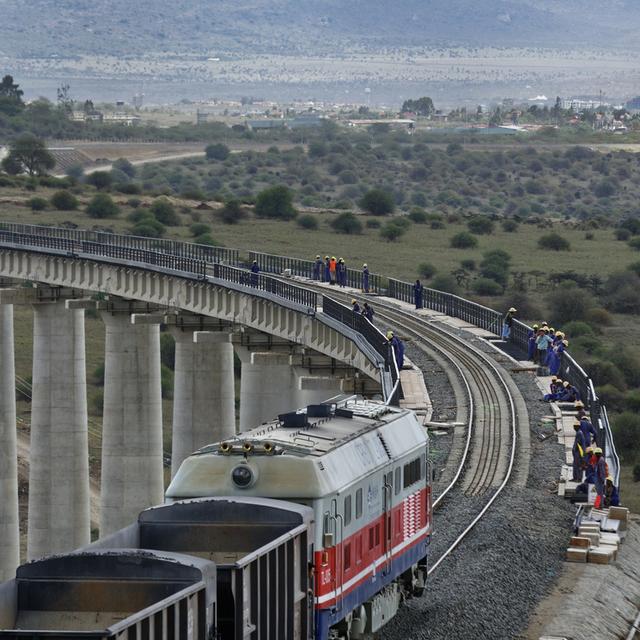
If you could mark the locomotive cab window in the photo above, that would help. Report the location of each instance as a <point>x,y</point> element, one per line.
<point>358,503</point>
<point>397,480</point>
<point>412,472</point>
<point>347,510</point>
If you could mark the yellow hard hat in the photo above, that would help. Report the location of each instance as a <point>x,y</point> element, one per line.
<point>353,301</point>
<point>609,478</point>
<point>565,383</point>
<point>597,451</point>
<point>565,343</point>
<point>364,265</point>
<point>544,324</point>
<point>535,326</point>
<point>333,257</point>
<point>389,334</point>
<point>579,403</point>
<point>554,378</point>
<point>512,310</point>
<point>326,257</point>
<point>318,257</point>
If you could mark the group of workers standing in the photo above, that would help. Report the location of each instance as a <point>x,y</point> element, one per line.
<point>334,271</point>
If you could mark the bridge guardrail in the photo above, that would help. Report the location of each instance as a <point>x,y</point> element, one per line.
<point>374,337</point>
<point>304,268</point>
<point>188,257</point>
<point>158,245</point>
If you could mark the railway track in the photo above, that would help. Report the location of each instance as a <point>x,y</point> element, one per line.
<point>486,464</point>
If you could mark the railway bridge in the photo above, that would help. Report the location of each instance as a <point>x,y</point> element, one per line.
<point>296,346</point>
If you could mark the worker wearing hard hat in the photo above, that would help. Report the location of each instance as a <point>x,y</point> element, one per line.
<point>365,278</point>
<point>507,323</point>
<point>317,268</point>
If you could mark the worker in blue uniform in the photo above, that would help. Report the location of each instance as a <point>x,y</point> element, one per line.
<point>507,323</point>
<point>398,348</point>
<point>611,496</point>
<point>327,269</point>
<point>341,273</point>
<point>317,268</point>
<point>418,290</point>
<point>367,311</point>
<point>588,430</point>
<point>601,476</point>
<point>355,306</point>
<point>365,278</point>
<point>255,270</point>
<point>531,342</point>
<point>578,451</point>
<point>569,393</point>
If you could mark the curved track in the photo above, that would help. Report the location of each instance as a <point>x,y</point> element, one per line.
<point>486,464</point>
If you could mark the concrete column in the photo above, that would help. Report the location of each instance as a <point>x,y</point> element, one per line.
<point>267,387</point>
<point>132,470</point>
<point>59,516</point>
<point>316,389</point>
<point>204,392</point>
<point>9,522</point>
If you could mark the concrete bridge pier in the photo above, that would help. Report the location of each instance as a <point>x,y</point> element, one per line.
<point>9,521</point>
<point>204,391</point>
<point>59,516</point>
<point>267,386</point>
<point>132,469</point>
<point>316,389</point>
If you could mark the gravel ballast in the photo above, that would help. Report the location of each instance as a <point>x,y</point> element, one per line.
<point>492,583</point>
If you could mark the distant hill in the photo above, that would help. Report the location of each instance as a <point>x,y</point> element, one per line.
<point>64,28</point>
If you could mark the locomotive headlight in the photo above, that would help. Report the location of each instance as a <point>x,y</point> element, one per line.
<point>243,476</point>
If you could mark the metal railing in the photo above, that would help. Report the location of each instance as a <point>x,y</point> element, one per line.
<point>305,269</point>
<point>491,320</point>
<point>157,245</point>
<point>221,263</point>
<point>374,337</point>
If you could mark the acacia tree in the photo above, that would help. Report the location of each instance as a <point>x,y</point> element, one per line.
<point>28,153</point>
<point>10,96</point>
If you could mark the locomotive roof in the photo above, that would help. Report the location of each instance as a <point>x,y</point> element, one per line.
<point>347,421</point>
<point>304,454</point>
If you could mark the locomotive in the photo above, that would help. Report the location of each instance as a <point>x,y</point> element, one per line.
<point>362,467</point>
<point>314,526</point>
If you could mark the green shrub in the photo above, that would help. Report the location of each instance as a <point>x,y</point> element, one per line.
<point>628,364</point>
<point>634,267</point>
<point>603,372</point>
<point>372,223</point>
<point>166,382</point>
<point>632,400</point>
<point>378,202</point>
<point>445,282</point>
<point>275,202</point>
<point>486,287</point>
<point>96,403</point>
<point>98,375</point>
<point>217,151</point>
<point>626,431</point>
<point>636,473</point>
<point>599,317</point>
<point>612,397</point>
<point>391,231</point>
<point>419,217</point>
<point>168,350</point>
<point>427,270</point>
<point>634,243</point>
<point>308,221</point>
<point>577,328</point>
<point>124,165</point>
<point>554,242</point>
<point>468,264</point>
<point>463,240</point>
<point>480,225</point>
<point>165,212</point>
<point>102,206</point>
<point>100,179</point>
<point>621,292</point>
<point>206,238</point>
<point>510,226</point>
<point>232,212</point>
<point>199,228</point>
<point>569,303</point>
<point>149,228</point>
<point>37,204</point>
<point>64,201</point>
<point>347,223</point>
<point>622,234</point>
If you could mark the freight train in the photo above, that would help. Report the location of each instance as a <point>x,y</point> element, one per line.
<point>314,526</point>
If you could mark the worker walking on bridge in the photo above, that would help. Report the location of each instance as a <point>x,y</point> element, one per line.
<point>327,269</point>
<point>367,312</point>
<point>355,306</point>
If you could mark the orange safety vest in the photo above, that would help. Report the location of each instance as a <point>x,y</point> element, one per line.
<point>332,265</point>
